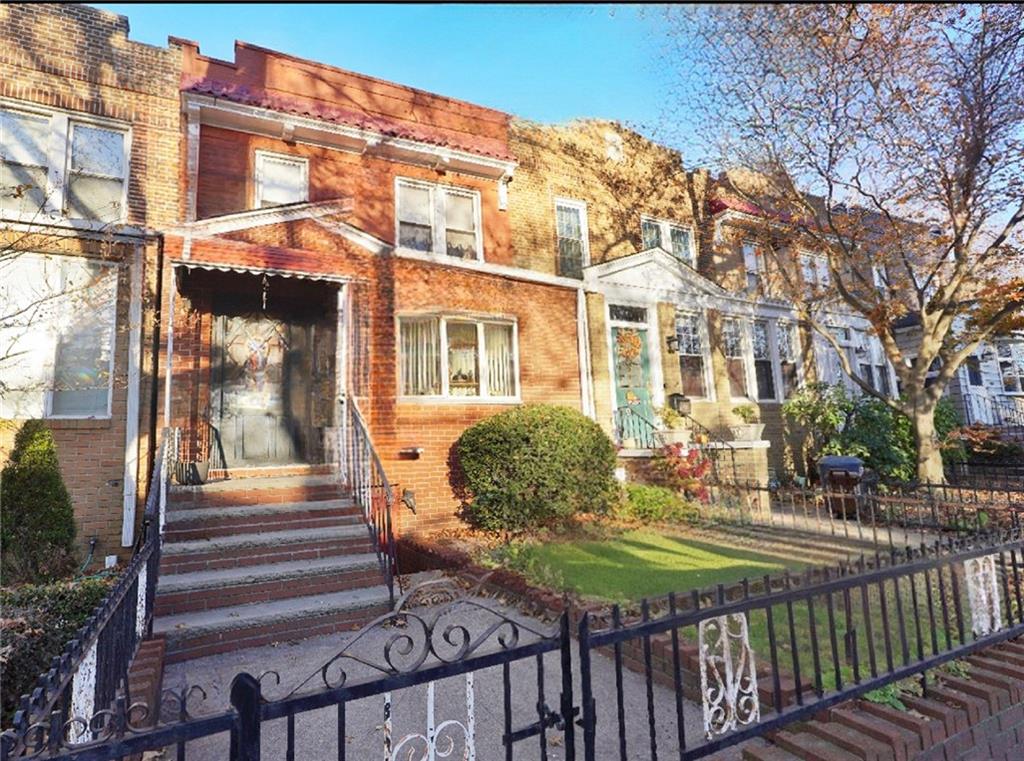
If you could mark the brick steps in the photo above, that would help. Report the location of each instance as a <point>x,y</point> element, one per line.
<point>197,634</point>
<point>146,676</point>
<point>979,717</point>
<point>203,590</point>
<point>211,522</point>
<point>252,561</point>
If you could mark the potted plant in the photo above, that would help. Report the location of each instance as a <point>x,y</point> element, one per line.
<point>675,430</point>
<point>749,429</point>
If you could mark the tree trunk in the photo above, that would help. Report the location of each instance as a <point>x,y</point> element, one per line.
<point>929,453</point>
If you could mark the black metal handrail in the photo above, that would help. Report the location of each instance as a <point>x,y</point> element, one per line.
<point>797,645</point>
<point>362,471</point>
<point>95,663</point>
<point>719,442</point>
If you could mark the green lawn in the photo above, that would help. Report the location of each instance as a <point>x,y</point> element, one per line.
<point>643,563</point>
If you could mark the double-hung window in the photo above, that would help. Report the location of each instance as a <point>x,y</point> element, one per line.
<point>735,359</point>
<point>814,269</point>
<point>690,339</point>
<point>438,219</point>
<point>456,357</point>
<point>751,257</point>
<point>280,179</point>
<point>56,163</point>
<point>671,237</point>
<point>764,371</point>
<point>57,325</point>
<point>1011,366</point>
<point>571,229</point>
<point>787,357</point>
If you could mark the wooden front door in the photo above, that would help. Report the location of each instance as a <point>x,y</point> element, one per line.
<point>261,404</point>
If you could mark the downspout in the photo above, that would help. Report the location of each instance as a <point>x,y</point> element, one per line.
<point>583,350</point>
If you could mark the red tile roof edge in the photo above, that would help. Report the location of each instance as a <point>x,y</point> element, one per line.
<point>300,106</point>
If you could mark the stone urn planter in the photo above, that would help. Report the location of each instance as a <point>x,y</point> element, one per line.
<point>746,431</point>
<point>673,436</point>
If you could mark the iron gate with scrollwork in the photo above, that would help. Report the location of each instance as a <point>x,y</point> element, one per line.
<point>507,679</point>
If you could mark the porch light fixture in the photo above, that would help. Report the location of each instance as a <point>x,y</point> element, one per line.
<point>409,499</point>
<point>672,341</point>
<point>680,403</point>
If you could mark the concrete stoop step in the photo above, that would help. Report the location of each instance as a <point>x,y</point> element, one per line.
<point>253,561</point>
<point>197,634</point>
<point>981,717</point>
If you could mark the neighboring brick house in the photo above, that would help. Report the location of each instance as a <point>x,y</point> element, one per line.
<point>665,255</point>
<point>346,236</point>
<point>89,142</point>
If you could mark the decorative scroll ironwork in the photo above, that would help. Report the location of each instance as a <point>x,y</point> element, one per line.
<point>983,594</point>
<point>439,740</point>
<point>423,630</point>
<point>728,680</point>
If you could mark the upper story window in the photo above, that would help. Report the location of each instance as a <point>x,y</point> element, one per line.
<point>57,163</point>
<point>676,239</point>
<point>879,277</point>
<point>751,263</point>
<point>1011,366</point>
<point>814,269</point>
<point>456,357</point>
<point>280,179</point>
<point>736,366</point>
<point>439,219</point>
<point>56,336</point>
<point>571,230</point>
<point>691,347</point>
<point>973,367</point>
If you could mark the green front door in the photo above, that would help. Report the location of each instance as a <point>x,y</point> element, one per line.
<point>632,380</point>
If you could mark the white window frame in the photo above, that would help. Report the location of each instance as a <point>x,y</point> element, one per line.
<point>774,333</point>
<point>752,274</point>
<point>746,325</point>
<point>438,228</point>
<point>665,231</point>
<point>58,162</point>
<point>581,207</point>
<point>705,343</point>
<point>1015,351</point>
<point>445,396</point>
<point>822,274</point>
<point>286,158</point>
<point>51,367</point>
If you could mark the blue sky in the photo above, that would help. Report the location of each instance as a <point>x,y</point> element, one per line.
<point>544,62</point>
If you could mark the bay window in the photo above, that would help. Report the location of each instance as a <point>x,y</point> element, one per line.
<point>438,219</point>
<point>57,324</point>
<point>37,147</point>
<point>764,372</point>
<point>690,342</point>
<point>455,357</point>
<point>736,367</point>
<point>280,179</point>
<point>571,231</point>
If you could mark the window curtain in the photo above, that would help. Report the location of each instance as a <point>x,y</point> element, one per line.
<point>415,217</point>
<point>420,358</point>
<point>501,379</point>
<point>463,375</point>
<point>460,226</point>
<point>282,181</point>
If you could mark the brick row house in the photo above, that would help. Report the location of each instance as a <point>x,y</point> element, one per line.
<point>271,245</point>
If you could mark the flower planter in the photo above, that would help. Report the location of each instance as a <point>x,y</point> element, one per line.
<point>673,436</point>
<point>747,431</point>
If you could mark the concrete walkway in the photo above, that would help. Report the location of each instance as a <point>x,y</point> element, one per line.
<point>316,732</point>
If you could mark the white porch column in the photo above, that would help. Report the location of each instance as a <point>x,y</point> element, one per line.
<point>583,350</point>
<point>131,443</point>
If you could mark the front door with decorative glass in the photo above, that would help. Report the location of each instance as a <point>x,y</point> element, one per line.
<point>632,372</point>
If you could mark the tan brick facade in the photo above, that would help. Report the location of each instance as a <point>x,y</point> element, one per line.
<point>79,60</point>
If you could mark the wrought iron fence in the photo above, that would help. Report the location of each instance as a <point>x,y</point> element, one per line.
<point>993,411</point>
<point>436,632</point>
<point>91,675</point>
<point>777,650</point>
<point>361,470</point>
<point>890,517</point>
<point>991,475</point>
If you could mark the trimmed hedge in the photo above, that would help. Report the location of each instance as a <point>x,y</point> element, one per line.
<point>37,523</point>
<point>653,504</point>
<point>38,622</point>
<point>533,466</point>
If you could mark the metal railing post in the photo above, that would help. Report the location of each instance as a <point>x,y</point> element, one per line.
<point>245,699</point>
